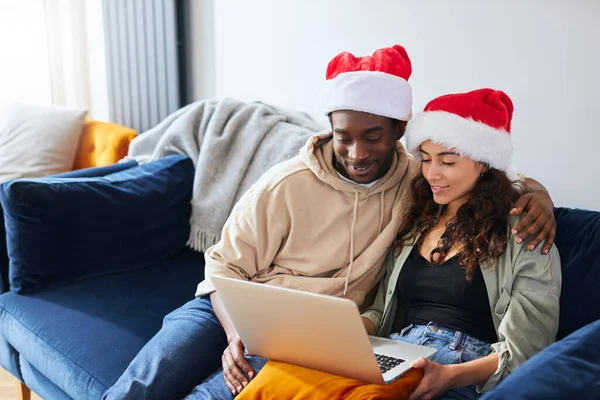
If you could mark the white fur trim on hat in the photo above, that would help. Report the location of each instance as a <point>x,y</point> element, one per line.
<point>469,138</point>
<point>373,92</point>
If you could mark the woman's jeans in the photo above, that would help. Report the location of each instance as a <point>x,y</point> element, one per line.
<point>453,347</point>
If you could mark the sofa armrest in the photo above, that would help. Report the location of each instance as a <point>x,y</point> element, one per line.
<point>60,230</point>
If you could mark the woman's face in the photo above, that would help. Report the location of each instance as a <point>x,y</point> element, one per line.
<point>450,176</point>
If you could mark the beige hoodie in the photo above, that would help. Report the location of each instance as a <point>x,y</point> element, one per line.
<point>301,226</point>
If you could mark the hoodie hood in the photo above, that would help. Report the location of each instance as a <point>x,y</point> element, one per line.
<point>318,156</point>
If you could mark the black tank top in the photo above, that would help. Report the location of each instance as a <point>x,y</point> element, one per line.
<point>442,294</point>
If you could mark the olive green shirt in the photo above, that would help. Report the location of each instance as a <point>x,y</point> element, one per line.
<point>523,290</point>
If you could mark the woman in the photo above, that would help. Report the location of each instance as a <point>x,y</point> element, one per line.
<point>459,283</point>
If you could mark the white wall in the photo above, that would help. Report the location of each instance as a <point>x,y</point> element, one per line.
<point>544,53</point>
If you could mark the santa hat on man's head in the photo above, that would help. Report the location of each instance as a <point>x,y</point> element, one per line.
<point>376,84</point>
<point>476,124</point>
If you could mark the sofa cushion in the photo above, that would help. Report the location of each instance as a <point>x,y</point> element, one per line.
<point>578,242</point>
<point>95,172</point>
<point>38,140</point>
<point>61,230</point>
<point>82,173</point>
<point>83,335</point>
<point>102,143</point>
<point>567,369</point>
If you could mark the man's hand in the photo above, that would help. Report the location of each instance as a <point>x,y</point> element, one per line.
<point>236,369</point>
<point>539,223</point>
<point>437,379</point>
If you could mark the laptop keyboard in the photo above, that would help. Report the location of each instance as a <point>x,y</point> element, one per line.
<point>386,362</point>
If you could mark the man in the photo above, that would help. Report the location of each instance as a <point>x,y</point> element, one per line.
<point>322,221</point>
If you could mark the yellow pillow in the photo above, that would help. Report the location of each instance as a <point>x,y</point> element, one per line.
<point>279,380</point>
<point>102,143</point>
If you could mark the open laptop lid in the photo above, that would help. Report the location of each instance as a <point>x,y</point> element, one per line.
<point>302,328</point>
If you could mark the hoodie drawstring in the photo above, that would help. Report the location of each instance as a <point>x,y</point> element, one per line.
<point>381,210</point>
<point>351,241</point>
<point>381,202</point>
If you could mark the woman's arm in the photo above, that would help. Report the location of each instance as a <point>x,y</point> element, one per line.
<point>528,311</point>
<point>438,378</point>
<point>476,372</point>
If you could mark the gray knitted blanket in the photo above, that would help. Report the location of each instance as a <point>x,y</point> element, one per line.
<point>231,144</point>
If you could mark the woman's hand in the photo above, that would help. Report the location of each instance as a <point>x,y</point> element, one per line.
<point>237,372</point>
<point>437,379</point>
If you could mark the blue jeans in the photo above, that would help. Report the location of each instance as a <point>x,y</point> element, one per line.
<point>453,347</point>
<point>214,388</point>
<point>181,355</point>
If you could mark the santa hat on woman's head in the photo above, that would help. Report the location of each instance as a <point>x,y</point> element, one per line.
<point>376,84</point>
<point>476,124</point>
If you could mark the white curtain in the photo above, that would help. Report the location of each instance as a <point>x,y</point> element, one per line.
<point>74,31</point>
<point>52,52</point>
<point>24,70</point>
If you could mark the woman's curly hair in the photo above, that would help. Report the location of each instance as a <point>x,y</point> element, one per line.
<point>479,227</point>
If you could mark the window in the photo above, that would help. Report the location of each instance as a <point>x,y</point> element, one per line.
<point>24,68</point>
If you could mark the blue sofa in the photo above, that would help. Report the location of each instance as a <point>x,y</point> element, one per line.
<point>98,258</point>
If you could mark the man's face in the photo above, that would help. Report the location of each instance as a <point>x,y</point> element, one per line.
<point>364,144</point>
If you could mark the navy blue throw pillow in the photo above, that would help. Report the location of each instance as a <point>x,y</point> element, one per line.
<point>578,242</point>
<point>61,230</point>
<point>567,369</point>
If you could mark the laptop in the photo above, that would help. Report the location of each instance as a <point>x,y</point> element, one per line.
<point>312,330</point>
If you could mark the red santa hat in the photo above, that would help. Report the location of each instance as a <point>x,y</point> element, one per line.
<point>476,124</point>
<point>376,84</point>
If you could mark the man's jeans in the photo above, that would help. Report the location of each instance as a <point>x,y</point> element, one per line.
<point>180,356</point>
<point>214,388</point>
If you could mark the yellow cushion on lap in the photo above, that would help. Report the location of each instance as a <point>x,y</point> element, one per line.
<point>279,380</point>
